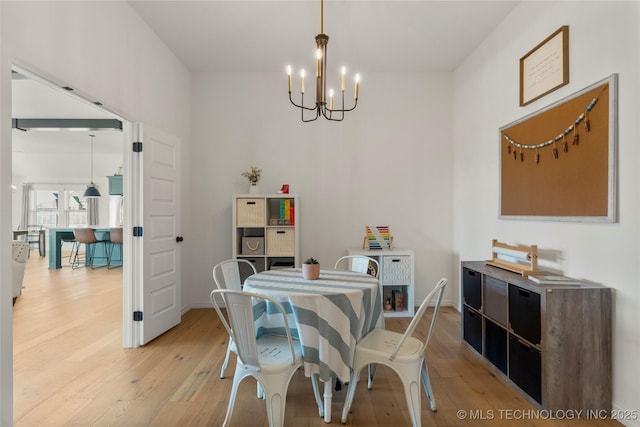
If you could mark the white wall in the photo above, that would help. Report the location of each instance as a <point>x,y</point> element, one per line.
<point>107,53</point>
<point>604,39</point>
<point>388,162</point>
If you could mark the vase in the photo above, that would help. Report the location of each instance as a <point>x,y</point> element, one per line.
<point>253,189</point>
<point>310,271</point>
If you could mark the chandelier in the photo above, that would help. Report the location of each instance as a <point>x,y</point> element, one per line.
<point>322,108</point>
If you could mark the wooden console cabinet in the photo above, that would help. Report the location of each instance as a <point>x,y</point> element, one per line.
<point>551,342</point>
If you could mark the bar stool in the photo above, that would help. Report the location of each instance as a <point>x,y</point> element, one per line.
<point>88,237</point>
<point>115,236</point>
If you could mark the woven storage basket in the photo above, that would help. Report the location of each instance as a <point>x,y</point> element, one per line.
<point>280,241</point>
<point>396,270</point>
<point>250,213</point>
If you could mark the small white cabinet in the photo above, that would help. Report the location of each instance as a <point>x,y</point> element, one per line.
<point>265,230</point>
<point>396,276</point>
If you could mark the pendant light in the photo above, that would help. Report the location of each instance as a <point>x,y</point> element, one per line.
<point>91,190</point>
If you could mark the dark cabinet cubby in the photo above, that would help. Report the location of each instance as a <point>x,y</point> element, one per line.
<point>525,367</point>
<point>472,288</point>
<point>495,345</point>
<point>472,326</point>
<point>524,313</point>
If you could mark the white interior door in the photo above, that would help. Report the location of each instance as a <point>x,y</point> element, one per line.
<point>161,287</point>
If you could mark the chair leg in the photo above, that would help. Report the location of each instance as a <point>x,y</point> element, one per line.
<point>351,391</point>
<point>427,386</point>
<point>237,377</point>
<point>226,360</point>
<point>76,261</point>
<point>275,407</point>
<point>412,394</point>
<point>372,372</point>
<point>316,394</point>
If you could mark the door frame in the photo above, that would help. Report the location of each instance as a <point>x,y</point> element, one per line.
<point>130,256</point>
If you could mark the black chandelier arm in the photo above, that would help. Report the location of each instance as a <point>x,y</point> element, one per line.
<point>301,106</point>
<point>309,120</point>
<point>344,110</point>
<point>328,117</point>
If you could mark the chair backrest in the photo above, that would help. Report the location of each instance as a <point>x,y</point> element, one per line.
<point>85,235</point>
<point>19,251</point>
<point>226,274</point>
<point>435,293</point>
<point>361,264</point>
<point>115,234</point>
<point>239,322</point>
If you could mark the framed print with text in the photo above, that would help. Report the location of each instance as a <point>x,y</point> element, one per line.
<point>546,67</point>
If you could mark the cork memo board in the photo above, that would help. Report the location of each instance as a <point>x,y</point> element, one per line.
<point>559,163</point>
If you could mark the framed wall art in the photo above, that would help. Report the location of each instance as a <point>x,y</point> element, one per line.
<point>546,67</point>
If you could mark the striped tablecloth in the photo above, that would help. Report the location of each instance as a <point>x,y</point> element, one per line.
<point>328,315</point>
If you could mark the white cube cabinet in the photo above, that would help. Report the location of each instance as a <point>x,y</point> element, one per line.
<point>397,279</point>
<point>265,230</point>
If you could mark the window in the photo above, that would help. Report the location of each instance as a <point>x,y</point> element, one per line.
<point>76,208</point>
<point>46,205</point>
<point>59,205</point>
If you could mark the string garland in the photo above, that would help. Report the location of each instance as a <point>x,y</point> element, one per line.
<point>562,137</point>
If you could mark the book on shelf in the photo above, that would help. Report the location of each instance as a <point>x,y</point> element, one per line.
<point>397,300</point>
<point>553,279</point>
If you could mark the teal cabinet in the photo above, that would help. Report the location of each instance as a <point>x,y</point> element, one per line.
<point>115,185</point>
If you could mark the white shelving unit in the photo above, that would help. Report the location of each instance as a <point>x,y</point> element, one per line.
<point>397,273</point>
<point>265,230</point>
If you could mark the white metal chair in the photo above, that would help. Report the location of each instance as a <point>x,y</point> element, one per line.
<point>401,352</point>
<point>226,275</point>
<point>360,263</point>
<point>271,360</point>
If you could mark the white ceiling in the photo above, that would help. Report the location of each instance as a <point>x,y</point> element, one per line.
<point>33,99</point>
<point>264,35</point>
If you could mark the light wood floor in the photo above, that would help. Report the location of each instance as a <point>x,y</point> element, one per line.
<point>70,369</point>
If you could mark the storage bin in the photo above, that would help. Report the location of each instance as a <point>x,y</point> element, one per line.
<point>525,367</point>
<point>472,328</point>
<point>246,271</point>
<point>495,299</point>
<point>253,246</point>
<point>472,288</point>
<point>280,241</point>
<point>495,345</point>
<point>524,314</point>
<point>396,270</point>
<point>250,213</point>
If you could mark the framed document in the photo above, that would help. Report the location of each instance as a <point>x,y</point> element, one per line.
<point>546,67</point>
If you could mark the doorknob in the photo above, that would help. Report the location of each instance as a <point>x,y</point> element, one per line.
<point>179,239</point>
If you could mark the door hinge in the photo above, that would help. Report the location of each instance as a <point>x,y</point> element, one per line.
<point>137,231</point>
<point>137,316</point>
<point>137,147</point>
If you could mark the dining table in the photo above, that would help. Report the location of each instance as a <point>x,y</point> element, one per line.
<point>328,315</point>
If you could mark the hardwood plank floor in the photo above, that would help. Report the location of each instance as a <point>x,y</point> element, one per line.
<point>70,369</point>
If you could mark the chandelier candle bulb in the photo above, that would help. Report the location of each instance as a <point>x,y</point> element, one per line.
<point>302,81</point>
<point>330,99</point>
<point>289,77</point>
<point>357,86</point>
<point>344,71</point>
<point>318,63</point>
